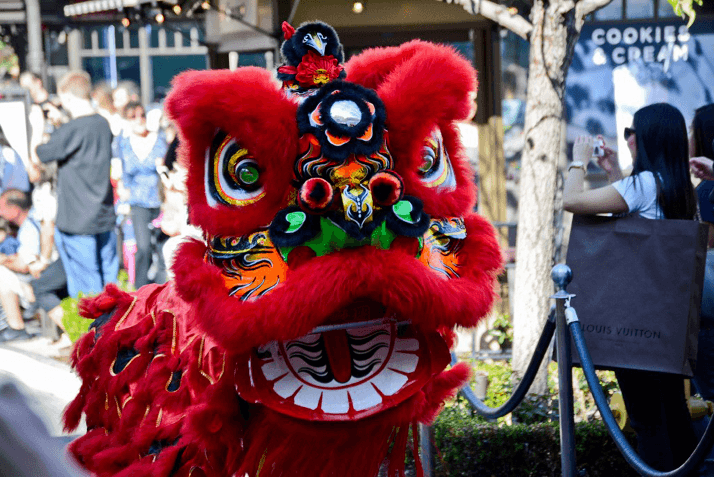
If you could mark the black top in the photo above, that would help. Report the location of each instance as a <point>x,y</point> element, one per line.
<point>83,149</point>
<point>705,195</point>
<point>171,154</point>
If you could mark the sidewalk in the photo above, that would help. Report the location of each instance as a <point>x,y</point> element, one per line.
<point>44,377</point>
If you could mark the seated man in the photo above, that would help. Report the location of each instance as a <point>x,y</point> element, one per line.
<point>15,269</point>
<point>50,288</point>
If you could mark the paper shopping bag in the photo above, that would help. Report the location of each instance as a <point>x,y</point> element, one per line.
<point>638,287</point>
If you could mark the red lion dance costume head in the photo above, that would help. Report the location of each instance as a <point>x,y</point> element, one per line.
<point>311,329</point>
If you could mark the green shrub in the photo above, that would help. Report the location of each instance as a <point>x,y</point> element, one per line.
<point>526,443</point>
<point>466,447</point>
<point>537,409</point>
<point>74,324</point>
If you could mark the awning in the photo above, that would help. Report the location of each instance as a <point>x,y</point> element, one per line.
<point>95,6</point>
<point>12,12</point>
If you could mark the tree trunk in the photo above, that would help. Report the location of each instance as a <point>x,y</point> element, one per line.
<point>552,40</point>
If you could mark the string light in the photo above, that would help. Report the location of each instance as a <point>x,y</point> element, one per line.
<point>206,5</point>
<point>177,9</point>
<point>125,22</point>
<point>358,7</point>
<point>159,18</point>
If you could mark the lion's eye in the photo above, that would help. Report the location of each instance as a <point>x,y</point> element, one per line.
<point>435,169</point>
<point>429,160</point>
<point>244,173</point>
<point>233,177</point>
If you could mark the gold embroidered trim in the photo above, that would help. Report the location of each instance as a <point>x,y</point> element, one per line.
<point>111,366</point>
<point>126,313</point>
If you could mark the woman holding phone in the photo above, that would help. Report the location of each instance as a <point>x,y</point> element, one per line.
<point>658,188</point>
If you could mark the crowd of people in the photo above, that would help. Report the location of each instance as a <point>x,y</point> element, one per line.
<point>92,196</point>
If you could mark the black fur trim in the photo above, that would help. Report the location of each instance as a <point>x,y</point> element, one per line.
<point>100,321</point>
<point>175,381</point>
<point>278,229</point>
<point>293,49</point>
<point>123,357</point>
<point>344,91</point>
<point>420,224</point>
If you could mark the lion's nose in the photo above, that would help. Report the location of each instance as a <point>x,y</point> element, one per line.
<point>351,179</point>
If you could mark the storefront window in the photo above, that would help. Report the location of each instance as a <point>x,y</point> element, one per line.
<point>640,8</point>
<point>153,36</point>
<point>164,68</point>
<point>665,10</point>
<point>612,11</point>
<point>170,38</point>
<point>57,51</point>
<point>134,38</point>
<point>252,59</point>
<point>466,48</point>
<point>119,37</point>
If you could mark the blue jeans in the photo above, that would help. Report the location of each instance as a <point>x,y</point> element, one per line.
<point>90,261</point>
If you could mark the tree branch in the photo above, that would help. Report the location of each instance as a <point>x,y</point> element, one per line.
<point>506,17</point>
<point>586,7</point>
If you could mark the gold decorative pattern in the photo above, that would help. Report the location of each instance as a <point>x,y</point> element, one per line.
<point>126,313</point>
<point>200,365</point>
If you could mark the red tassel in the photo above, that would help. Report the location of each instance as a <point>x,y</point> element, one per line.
<point>396,457</point>
<point>415,450</point>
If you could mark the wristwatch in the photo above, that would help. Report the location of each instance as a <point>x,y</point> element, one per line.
<point>577,165</point>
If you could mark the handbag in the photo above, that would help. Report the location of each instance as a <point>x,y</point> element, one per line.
<point>638,286</point>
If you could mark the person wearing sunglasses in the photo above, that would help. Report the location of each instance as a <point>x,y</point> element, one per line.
<point>659,187</point>
<point>140,151</point>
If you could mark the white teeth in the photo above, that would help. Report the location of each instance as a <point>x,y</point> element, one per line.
<point>274,369</point>
<point>403,362</point>
<point>394,366</point>
<point>308,397</point>
<point>287,386</point>
<point>335,402</point>
<point>389,382</point>
<point>364,396</point>
<point>409,344</point>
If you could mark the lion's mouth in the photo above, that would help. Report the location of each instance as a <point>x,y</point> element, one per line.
<point>345,370</point>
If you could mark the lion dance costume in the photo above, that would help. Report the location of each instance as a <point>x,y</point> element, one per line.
<point>310,330</point>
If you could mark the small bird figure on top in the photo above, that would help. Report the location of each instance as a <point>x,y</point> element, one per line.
<point>313,57</point>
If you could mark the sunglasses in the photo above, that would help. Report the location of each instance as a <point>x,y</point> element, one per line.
<point>629,132</point>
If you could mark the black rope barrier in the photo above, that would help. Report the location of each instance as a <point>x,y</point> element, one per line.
<point>523,386</point>
<point>562,318</point>
<point>702,449</point>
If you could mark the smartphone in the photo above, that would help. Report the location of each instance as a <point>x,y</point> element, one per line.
<point>598,148</point>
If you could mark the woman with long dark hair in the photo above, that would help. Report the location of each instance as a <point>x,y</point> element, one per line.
<point>658,188</point>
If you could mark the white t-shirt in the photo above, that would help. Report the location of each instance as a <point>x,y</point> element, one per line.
<point>640,194</point>
<point>29,237</point>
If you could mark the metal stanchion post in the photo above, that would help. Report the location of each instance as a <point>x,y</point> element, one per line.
<point>426,434</point>
<point>561,275</point>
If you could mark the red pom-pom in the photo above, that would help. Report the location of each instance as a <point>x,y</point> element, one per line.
<point>288,30</point>
<point>315,195</point>
<point>387,188</point>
